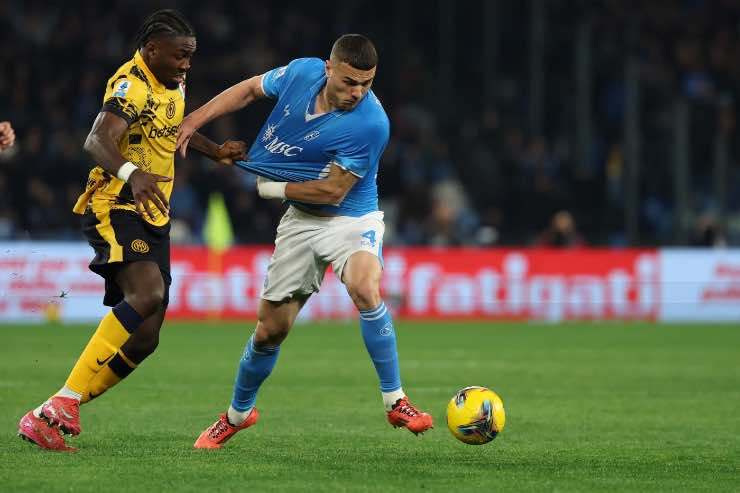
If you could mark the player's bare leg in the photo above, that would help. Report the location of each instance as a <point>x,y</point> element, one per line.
<point>275,319</point>
<point>136,349</point>
<point>143,288</point>
<point>362,276</point>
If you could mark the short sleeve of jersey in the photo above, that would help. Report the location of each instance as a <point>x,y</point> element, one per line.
<point>360,153</point>
<point>126,97</point>
<point>277,79</point>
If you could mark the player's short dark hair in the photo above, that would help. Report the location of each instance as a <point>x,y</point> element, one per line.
<point>356,50</point>
<point>166,22</point>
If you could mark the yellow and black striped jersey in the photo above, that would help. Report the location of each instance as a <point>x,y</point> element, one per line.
<point>153,114</point>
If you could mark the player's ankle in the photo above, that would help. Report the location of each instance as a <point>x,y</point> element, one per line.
<point>69,393</point>
<point>390,398</point>
<point>235,417</point>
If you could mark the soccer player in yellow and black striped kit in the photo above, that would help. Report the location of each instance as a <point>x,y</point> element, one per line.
<point>126,217</point>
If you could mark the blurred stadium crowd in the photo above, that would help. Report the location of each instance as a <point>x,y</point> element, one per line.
<point>462,167</point>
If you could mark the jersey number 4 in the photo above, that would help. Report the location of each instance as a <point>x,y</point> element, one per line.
<point>370,235</point>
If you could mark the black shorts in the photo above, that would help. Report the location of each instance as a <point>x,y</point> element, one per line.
<point>121,236</point>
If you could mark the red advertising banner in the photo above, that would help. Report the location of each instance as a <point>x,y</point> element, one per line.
<point>423,283</point>
<point>51,281</point>
<point>48,281</point>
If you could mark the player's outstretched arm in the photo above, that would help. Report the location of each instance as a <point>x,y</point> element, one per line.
<point>330,190</point>
<point>226,153</point>
<point>234,98</point>
<point>102,145</point>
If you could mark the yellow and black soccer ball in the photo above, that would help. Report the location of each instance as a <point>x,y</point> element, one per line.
<point>475,415</point>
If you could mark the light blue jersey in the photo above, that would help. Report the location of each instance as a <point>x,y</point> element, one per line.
<point>296,145</point>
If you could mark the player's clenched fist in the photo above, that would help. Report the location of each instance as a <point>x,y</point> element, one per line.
<point>7,135</point>
<point>230,151</point>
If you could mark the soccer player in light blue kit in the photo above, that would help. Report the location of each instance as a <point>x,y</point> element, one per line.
<point>319,150</point>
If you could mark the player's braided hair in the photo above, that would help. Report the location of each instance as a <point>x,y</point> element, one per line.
<point>356,50</point>
<point>165,22</point>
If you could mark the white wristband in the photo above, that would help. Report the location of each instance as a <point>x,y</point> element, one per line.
<point>271,189</point>
<point>125,170</point>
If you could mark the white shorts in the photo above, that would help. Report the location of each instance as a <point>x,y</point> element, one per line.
<point>306,244</point>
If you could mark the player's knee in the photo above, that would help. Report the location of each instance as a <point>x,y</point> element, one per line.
<point>365,293</point>
<point>147,298</point>
<point>146,304</point>
<point>270,332</point>
<point>143,287</point>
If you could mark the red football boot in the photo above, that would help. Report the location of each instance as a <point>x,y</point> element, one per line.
<point>38,431</point>
<point>404,415</point>
<point>221,431</point>
<point>63,412</point>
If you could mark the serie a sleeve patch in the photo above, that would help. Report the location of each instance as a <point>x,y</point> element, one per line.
<point>121,88</point>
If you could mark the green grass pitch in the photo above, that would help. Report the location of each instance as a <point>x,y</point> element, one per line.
<point>590,407</point>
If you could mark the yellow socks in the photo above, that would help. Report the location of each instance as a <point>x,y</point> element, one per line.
<point>113,331</point>
<point>119,367</point>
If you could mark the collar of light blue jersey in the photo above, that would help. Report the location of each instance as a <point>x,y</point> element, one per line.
<point>314,92</point>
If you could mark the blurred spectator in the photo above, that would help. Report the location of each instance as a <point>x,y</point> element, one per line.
<point>475,174</point>
<point>7,136</point>
<point>707,233</point>
<point>561,233</point>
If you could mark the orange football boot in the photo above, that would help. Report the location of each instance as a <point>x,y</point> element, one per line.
<point>405,415</point>
<point>221,431</point>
